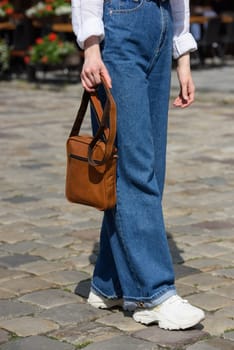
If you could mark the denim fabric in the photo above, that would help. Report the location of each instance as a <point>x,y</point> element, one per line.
<point>134,261</point>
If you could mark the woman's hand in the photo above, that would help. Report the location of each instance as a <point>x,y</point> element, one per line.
<point>187,88</point>
<point>93,67</point>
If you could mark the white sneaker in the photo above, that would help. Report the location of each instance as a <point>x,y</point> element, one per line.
<point>103,303</point>
<point>174,313</point>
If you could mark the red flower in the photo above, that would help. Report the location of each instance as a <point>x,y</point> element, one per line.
<point>44,59</point>
<point>9,11</point>
<point>26,59</point>
<point>52,37</point>
<point>39,41</point>
<point>49,8</point>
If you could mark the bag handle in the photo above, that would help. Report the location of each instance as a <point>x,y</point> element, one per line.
<point>107,119</point>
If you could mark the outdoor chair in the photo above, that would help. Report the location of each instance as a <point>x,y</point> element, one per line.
<point>210,44</point>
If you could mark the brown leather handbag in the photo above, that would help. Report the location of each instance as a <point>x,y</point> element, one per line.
<point>92,160</point>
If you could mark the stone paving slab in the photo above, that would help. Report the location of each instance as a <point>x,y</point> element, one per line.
<point>6,275</point>
<point>122,343</point>
<point>226,291</point>
<point>50,298</point>
<point>71,314</point>
<point>204,281</point>
<point>229,273</point>
<point>122,321</point>
<point>4,336</point>
<point>184,290</point>
<point>26,285</point>
<point>85,333</point>
<point>209,302</point>
<point>21,247</point>
<point>80,261</point>
<point>12,309</point>
<point>171,339</point>
<point>41,267</point>
<point>26,326</point>
<point>65,277</point>
<point>229,335</point>
<point>60,242</point>
<point>212,344</point>
<point>16,260</point>
<point>13,237</point>
<point>226,312</point>
<point>86,235</point>
<point>208,264</point>
<point>208,250</point>
<point>229,258</point>
<point>6,294</point>
<point>51,253</point>
<point>217,325</point>
<point>85,246</point>
<point>36,343</point>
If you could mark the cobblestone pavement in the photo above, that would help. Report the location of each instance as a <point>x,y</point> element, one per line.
<point>48,246</point>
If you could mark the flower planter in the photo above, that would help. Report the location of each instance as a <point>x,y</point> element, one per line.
<point>70,62</point>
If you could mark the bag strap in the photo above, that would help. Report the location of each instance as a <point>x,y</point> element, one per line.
<point>107,119</point>
<point>80,114</point>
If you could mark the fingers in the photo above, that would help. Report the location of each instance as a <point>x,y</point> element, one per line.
<point>91,76</point>
<point>186,96</point>
<point>90,79</point>
<point>177,102</point>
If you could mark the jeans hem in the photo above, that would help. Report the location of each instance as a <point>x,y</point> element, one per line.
<point>100,293</point>
<point>131,303</point>
<point>158,298</point>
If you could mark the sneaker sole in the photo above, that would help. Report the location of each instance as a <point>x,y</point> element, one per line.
<point>165,324</point>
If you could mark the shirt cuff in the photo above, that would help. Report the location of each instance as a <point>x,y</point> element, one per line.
<point>92,26</point>
<point>182,44</point>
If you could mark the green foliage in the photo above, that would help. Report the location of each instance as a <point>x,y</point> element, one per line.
<point>49,50</point>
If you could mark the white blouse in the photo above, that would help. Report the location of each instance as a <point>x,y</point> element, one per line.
<point>87,21</point>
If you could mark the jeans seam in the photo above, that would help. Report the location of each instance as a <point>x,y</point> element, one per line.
<point>164,25</point>
<point>119,231</point>
<point>119,225</point>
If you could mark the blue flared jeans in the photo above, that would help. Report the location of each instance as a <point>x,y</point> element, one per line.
<point>134,262</point>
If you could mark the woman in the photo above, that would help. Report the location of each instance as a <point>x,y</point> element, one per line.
<point>134,267</point>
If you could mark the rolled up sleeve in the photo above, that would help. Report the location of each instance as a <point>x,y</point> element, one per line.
<point>87,19</point>
<point>183,41</point>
